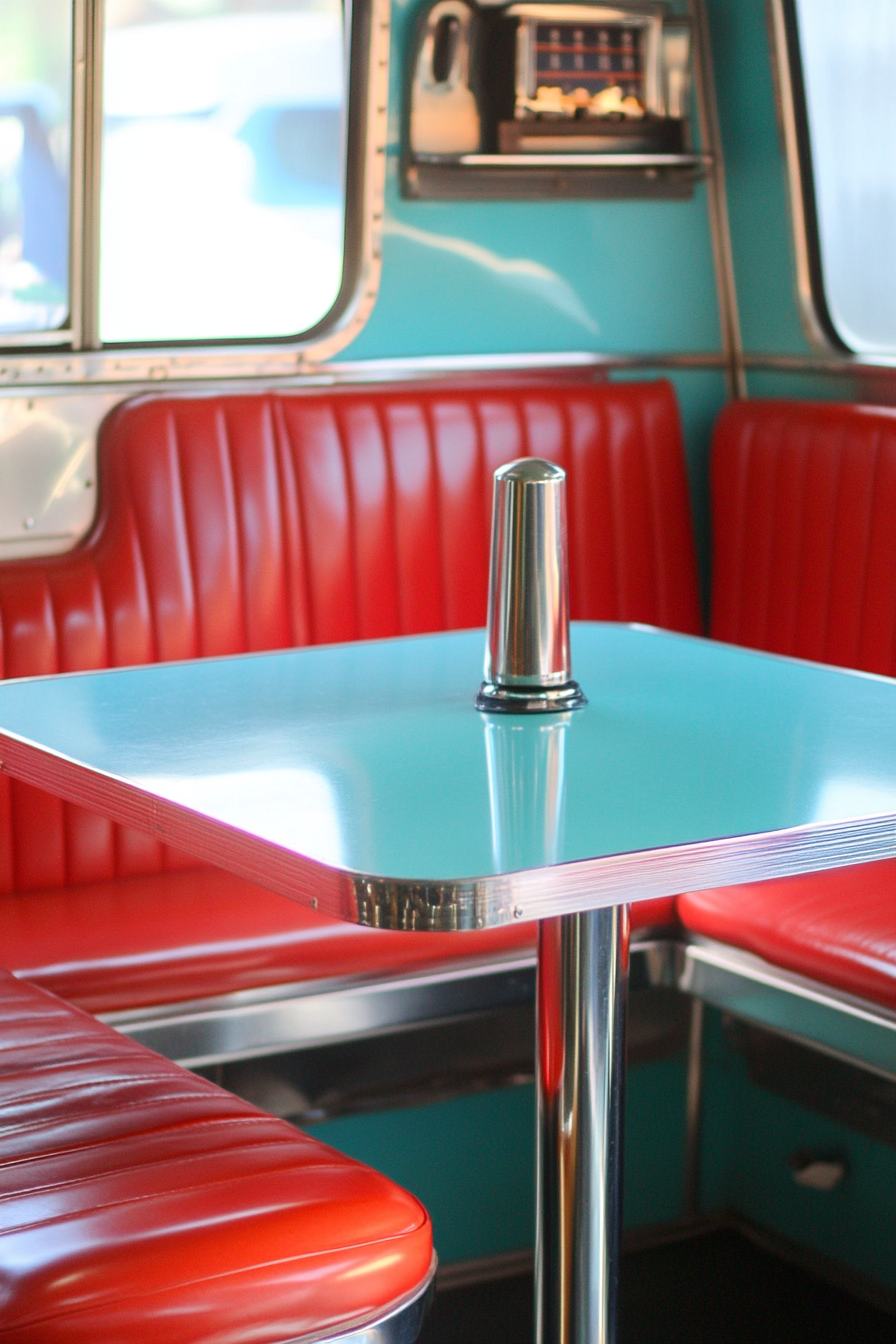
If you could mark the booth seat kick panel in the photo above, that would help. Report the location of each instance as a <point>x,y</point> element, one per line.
<point>232,524</point>
<point>141,1203</point>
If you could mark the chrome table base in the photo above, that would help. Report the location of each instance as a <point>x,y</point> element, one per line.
<point>582,988</point>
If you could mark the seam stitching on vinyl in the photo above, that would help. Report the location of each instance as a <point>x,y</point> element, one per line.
<point>223,430</point>
<point>435,476</point>
<point>192,567</point>
<point>832,548</point>
<point>866,559</point>
<point>342,438</point>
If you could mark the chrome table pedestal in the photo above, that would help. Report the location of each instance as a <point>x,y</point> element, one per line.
<point>582,989</point>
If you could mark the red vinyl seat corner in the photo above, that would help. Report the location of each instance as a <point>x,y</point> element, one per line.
<point>837,927</point>
<point>139,1202</point>
<point>804,563</point>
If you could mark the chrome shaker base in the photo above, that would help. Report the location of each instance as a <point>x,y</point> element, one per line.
<point>497,699</point>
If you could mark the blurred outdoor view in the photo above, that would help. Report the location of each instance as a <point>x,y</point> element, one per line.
<point>35,97</point>
<point>222,180</point>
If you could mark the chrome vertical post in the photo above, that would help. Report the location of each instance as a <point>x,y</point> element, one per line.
<point>582,985</point>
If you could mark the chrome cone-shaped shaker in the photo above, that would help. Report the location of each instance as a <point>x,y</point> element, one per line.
<point>527,664</point>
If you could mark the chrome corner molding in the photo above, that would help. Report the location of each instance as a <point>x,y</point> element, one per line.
<point>84,363</point>
<point>717,200</point>
<point>401,1325</point>
<point>813,329</point>
<point>616,879</point>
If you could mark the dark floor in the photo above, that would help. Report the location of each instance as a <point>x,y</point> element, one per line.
<point>719,1288</point>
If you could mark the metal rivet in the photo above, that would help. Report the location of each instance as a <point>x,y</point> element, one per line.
<point>314,903</point>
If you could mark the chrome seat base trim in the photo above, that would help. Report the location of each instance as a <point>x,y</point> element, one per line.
<point>840,1024</point>
<point>279,1018</point>
<point>300,1016</point>
<point>401,1325</point>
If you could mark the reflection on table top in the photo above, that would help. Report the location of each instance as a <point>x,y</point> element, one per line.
<point>361,777</point>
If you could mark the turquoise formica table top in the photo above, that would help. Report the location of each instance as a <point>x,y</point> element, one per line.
<point>360,779</point>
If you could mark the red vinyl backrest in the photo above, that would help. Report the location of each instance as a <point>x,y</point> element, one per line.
<point>804,531</point>
<point>237,523</point>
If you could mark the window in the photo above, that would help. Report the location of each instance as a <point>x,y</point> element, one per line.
<point>222,211</point>
<point>847,61</point>
<point>176,171</point>
<point>35,135</point>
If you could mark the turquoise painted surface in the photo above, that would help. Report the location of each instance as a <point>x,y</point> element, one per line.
<point>756,178</point>
<point>471,1160</point>
<point>475,277</point>
<point>748,1136</point>
<point>654,1143</point>
<point>818,386</point>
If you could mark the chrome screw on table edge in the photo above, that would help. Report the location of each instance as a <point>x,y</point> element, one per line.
<point>527,663</point>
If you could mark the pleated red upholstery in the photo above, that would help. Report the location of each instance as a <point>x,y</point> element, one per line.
<point>804,528</point>
<point>804,523</point>
<point>230,524</point>
<point>140,1203</point>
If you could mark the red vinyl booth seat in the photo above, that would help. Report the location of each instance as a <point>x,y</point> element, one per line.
<point>141,1203</point>
<point>837,927</point>
<point>804,523</point>
<point>243,523</point>
<point>804,531</point>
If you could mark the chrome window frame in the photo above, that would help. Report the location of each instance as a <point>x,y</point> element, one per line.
<point>75,354</point>
<point>793,121</point>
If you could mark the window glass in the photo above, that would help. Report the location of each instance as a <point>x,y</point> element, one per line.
<point>35,124</point>
<point>849,57</point>
<point>222,174</point>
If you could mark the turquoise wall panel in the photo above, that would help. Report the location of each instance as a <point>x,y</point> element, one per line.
<point>749,1133</point>
<point>654,1143</point>
<point>483,277</point>
<point>471,1160</point>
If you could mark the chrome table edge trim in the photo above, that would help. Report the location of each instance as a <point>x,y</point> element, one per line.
<point>465,903</point>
